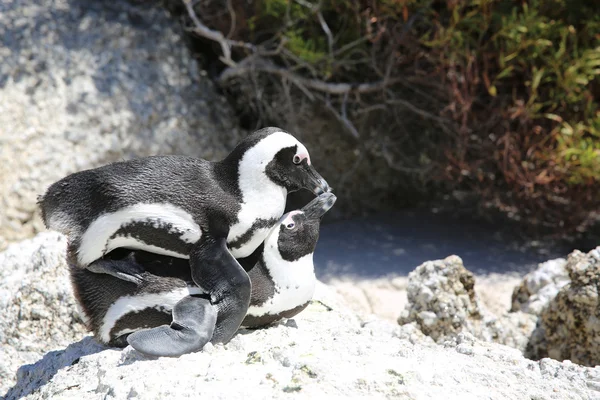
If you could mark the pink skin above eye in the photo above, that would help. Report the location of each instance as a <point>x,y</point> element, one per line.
<point>288,217</point>
<point>304,155</point>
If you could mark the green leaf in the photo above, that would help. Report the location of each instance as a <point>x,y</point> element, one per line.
<point>537,77</point>
<point>505,72</point>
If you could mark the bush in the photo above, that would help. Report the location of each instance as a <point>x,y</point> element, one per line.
<point>494,97</point>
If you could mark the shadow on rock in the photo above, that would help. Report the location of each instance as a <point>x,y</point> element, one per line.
<point>31,377</point>
<point>394,244</point>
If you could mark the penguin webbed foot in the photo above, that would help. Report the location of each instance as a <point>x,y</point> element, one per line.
<point>194,320</point>
<point>126,269</point>
<point>217,272</point>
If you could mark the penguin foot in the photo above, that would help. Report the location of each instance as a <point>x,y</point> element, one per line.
<point>194,320</point>
<point>217,272</point>
<point>123,269</point>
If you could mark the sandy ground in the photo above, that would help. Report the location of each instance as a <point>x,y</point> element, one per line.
<point>386,297</point>
<point>367,259</point>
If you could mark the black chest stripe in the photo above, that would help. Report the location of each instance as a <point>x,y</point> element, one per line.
<point>146,318</point>
<point>263,288</point>
<point>257,321</point>
<point>247,236</point>
<point>155,233</point>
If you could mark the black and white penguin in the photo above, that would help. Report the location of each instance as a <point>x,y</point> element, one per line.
<point>208,212</point>
<point>281,271</point>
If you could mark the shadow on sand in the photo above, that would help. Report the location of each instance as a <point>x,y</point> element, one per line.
<point>31,377</point>
<point>395,244</point>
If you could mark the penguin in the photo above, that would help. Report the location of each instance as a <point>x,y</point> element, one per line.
<point>208,213</point>
<point>166,302</point>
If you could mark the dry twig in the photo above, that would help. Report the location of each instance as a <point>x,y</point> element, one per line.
<point>259,64</point>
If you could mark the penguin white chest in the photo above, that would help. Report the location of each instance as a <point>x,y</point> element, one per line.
<point>159,228</point>
<point>257,215</point>
<point>294,283</point>
<point>262,200</point>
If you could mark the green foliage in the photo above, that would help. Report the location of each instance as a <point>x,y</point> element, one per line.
<point>543,60</point>
<point>504,95</point>
<point>309,50</point>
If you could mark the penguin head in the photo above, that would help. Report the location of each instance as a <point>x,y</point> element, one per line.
<point>279,156</point>
<point>297,233</point>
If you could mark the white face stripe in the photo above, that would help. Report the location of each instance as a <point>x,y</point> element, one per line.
<point>126,242</point>
<point>294,281</point>
<point>261,197</point>
<point>96,241</point>
<point>127,304</point>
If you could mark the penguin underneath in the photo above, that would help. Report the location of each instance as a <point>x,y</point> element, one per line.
<point>158,309</point>
<point>209,213</point>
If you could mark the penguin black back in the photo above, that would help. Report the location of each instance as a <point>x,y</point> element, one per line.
<point>166,204</point>
<point>116,308</point>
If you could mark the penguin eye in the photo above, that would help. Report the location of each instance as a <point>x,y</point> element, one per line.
<point>296,159</point>
<point>291,225</point>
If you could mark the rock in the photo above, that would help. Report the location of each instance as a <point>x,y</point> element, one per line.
<point>569,327</point>
<point>39,312</point>
<point>325,350</point>
<point>441,297</point>
<point>540,286</point>
<point>86,83</point>
<point>386,297</point>
<point>443,303</point>
<point>321,352</point>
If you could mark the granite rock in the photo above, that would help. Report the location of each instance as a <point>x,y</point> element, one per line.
<point>443,302</point>
<point>84,83</point>
<point>569,326</point>
<point>540,286</point>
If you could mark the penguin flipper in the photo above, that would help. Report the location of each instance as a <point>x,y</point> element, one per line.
<point>194,320</point>
<point>218,273</point>
<point>126,269</point>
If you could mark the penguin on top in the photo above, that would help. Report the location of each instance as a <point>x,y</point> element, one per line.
<point>207,212</point>
<point>155,315</point>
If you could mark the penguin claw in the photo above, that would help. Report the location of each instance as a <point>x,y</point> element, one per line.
<point>122,269</point>
<point>137,279</point>
<point>193,325</point>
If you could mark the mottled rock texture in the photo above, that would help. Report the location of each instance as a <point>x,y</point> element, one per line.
<point>327,350</point>
<point>320,353</point>
<point>569,326</point>
<point>83,83</point>
<point>540,286</point>
<point>443,302</point>
<point>38,308</point>
<point>441,296</point>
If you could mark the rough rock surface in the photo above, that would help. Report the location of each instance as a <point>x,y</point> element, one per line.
<point>442,301</point>
<point>325,350</point>
<point>83,83</point>
<point>386,297</point>
<point>540,286</point>
<point>320,352</point>
<point>38,309</point>
<point>569,327</point>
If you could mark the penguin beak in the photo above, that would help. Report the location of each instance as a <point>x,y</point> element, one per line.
<point>315,182</point>
<point>319,205</point>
